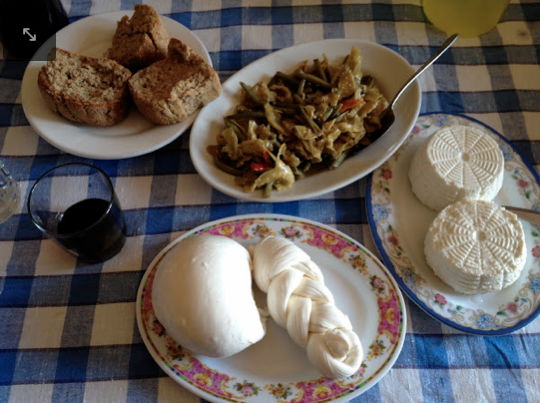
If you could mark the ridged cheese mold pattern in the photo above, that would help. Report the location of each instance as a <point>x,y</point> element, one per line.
<point>476,246</point>
<point>456,162</point>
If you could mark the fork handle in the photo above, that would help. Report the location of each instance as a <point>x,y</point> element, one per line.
<point>531,216</point>
<point>428,63</point>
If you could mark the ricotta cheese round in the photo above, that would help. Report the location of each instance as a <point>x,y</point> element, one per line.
<point>202,295</point>
<point>476,246</point>
<point>456,162</point>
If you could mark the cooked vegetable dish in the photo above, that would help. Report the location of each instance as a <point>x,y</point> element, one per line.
<point>300,123</point>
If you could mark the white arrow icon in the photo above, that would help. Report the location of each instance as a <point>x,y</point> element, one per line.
<point>27,31</point>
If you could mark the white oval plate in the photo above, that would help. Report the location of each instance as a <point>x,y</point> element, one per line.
<point>390,71</point>
<point>92,36</point>
<point>276,369</point>
<point>399,223</point>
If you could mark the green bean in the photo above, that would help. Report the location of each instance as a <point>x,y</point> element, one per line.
<point>284,105</point>
<point>337,162</point>
<point>252,94</point>
<point>272,118</point>
<point>268,189</point>
<point>335,113</point>
<point>286,78</point>
<point>238,130</point>
<point>313,79</point>
<point>309,121</point>
<point>286,111</point>
<point>226,168</point>
<point>248,115</point>
<point>300,90</point>
<point>298,100</point>
<point>327,113</point>
<point>320,70</point>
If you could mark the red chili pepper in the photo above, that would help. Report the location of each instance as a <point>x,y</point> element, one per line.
<point>349,104</point>
<point>260,166</point>
<point>266,156</point>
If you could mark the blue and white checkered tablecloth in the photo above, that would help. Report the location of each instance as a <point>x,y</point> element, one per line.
<point>68,331</point>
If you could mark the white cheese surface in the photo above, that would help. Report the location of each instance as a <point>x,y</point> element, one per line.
<point>476,246</point>
<point>456,162</point>
<point>202,295</point>
<point>299,301</point>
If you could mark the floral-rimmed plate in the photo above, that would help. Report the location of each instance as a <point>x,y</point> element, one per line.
<point>399,223</point>
<point>275,369</point>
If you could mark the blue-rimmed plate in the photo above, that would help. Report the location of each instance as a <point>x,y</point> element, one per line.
<point>399,222</point>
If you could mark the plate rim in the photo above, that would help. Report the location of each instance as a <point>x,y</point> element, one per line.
<point>238,193</point>
<point>376,378</point>
<point>25,83</point>
<point>403,286</point>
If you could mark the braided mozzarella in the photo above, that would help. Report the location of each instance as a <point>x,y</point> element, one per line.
<point>299,301</point>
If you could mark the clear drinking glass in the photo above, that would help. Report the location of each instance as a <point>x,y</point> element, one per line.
<point>9,194</point>
<point>75,205</point>
<point>468,18</point>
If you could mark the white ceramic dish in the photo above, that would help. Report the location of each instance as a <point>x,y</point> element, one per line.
<point>134,136</point>
<point>399,223</point>
<point>276,369</point>
<point>388,68</point>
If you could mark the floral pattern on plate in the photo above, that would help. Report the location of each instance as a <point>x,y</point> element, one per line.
<point>208,380</point>
<point>392,207</point>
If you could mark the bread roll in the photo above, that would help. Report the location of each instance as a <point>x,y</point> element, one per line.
<point>140,41</point>
<point>170,90</point>
<point>85,89</point>
<point>202,295</point>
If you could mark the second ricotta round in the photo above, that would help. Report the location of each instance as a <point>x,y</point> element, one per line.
<point>476,246</point>
<point>456,162</point>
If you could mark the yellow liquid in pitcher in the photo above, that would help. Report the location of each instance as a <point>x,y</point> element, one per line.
<point>467,18</point>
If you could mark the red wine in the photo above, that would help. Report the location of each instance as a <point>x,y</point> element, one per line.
<point>92,230</point>
<point>82,215</point>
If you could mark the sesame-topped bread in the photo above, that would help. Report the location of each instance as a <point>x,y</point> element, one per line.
<point>170,90</point>
<point>140,41</point>
<point>85,89</point>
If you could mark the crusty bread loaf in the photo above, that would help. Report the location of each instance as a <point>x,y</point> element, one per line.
<point>85,89</point>
<point>172,89</point>
<point>140,41</point>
